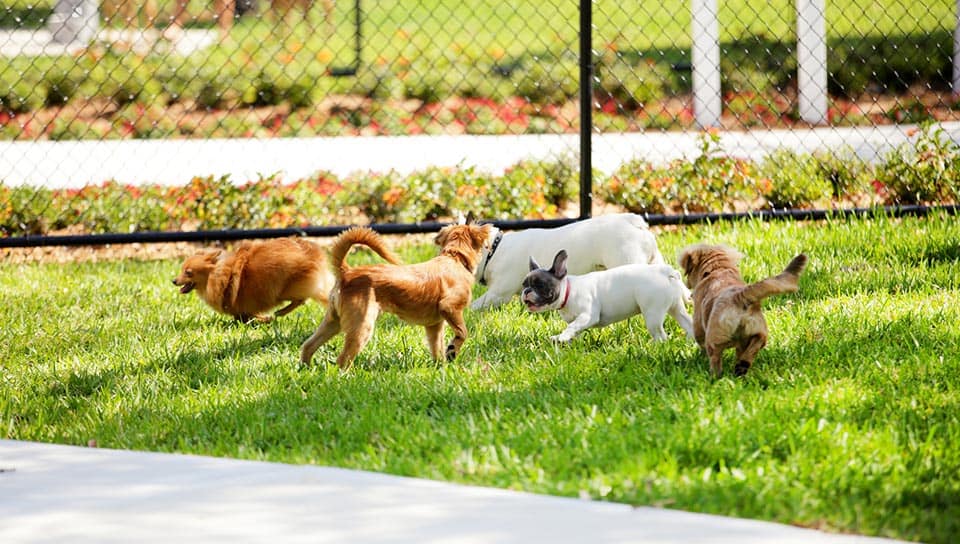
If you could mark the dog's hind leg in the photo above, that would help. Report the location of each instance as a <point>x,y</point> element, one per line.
<point>293,305</point>
<point>459,326</point>
<point>654,321</point>
<point>715,354</point>
<point>435,340</point>
<point>747,352</point>
<point>679,312</point>
<point>357,325</point>
<point>327,330</point>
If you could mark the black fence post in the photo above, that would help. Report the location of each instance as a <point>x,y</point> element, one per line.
<point>347,71</point>
<point>586,108</point>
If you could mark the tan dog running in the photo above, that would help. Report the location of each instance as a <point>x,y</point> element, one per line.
<point>427,294</point>
<point>726,312</point>
<point>258,277</point>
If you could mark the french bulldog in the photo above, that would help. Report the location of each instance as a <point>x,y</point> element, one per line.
<point>602,242</point>
<point>600,298</point>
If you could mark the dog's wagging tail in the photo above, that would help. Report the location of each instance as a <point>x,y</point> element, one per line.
<point>358,236</point>
<point>784,282</point>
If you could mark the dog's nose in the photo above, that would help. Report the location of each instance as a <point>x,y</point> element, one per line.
<point>174,281</point>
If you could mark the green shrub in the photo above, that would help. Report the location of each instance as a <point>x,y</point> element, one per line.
<point>640,187</point>
<point>546,81</point>
<point>25,210</point>
<point>796,180</point>
<point>631,84</point>
<point>20,91</point>
<point>848,174</point>
<point>711,182</point>
<point>923,171</point>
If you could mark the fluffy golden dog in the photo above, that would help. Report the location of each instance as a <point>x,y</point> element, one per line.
<point>427,294</point>
<point>726,312</point>
<point>258,277</point>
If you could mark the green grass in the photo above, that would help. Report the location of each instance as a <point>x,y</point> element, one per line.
<point>849,421</point>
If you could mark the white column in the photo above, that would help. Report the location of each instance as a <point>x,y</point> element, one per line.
<point>956,52</point>
<point>707,102</point>
<point>812,60</point>
<point>74,21</point>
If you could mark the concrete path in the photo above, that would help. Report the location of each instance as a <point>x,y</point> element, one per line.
<point>175,162</point>
<point>36,43</point>
<point>52,493</point>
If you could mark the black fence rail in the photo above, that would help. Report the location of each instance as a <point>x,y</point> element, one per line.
<point>167,120</point>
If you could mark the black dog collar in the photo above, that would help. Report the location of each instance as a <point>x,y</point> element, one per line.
<point>493,247</point>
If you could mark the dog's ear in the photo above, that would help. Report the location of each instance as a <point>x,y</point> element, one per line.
<point>471,219</point>
<point>213,255</point>
<point>533,264</point>
<point>441,238</point>
<point>686,262</point>
<point>479,234</point>
<point>559,268</point>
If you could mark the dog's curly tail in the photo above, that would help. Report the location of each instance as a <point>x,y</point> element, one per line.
<point>351,237</point>
<point>784,282</point>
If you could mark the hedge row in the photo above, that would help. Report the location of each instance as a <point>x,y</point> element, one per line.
<point>924,170</point>
<point>240,75</point>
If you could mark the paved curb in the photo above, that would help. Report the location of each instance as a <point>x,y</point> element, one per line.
<point>175,162</point>
<point>54,493</point>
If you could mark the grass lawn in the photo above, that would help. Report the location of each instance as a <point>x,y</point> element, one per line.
<point>849,421</point>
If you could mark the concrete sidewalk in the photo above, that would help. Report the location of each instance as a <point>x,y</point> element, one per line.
<point>52,493</point>
<point>175,162</point>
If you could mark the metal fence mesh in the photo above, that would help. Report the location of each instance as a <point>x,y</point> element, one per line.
<point>122,116</point>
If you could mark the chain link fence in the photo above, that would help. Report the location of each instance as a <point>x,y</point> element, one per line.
<point>185,116</point>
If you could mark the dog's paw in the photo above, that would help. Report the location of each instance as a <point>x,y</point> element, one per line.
<point>741,368</point>
<point>561,339</point>
<point>451,352</point>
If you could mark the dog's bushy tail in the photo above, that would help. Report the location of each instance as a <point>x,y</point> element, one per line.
<point>784,282</point>
<point>351,237</point>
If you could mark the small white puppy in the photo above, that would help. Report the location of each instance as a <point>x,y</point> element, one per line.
<point>599,243</point>
<point>600,298</point>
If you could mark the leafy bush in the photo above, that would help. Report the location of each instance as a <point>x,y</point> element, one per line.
<point>19,88</point>
<point>549,82</point>
<point>847,173</point>
<point>640,187</point>
<point>710,183</point>
<point>25,210</point>
<point>631,84</point>
<point>922,171</point>
<point>796,180</point>
<point>530,189</point>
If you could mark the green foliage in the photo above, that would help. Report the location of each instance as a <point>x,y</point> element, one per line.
<point>847,173</point>
<point>711,182</point>
<point>923,171</point>
<point>530,189</point>
<point>24,210</point>
<point>797,180</point>
<point>547,81</point>
<point>630,84</point>
<point>19,89</point>
<point>438,51</point>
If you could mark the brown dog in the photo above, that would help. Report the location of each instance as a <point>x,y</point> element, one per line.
<point>726,312</point>
<point>258,277</point>
<point>426,294</point>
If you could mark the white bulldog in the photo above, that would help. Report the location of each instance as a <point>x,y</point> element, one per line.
<point>600,298</point>
<point>603,242</point>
